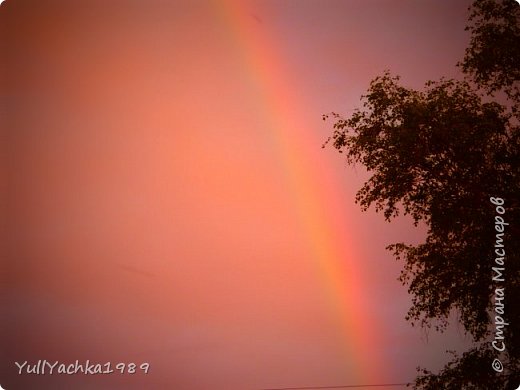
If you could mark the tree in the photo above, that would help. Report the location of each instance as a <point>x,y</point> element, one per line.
<point>493,54</point>
<point>471,371</point>
<point>449,156</point>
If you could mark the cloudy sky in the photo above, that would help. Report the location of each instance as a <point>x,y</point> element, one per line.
<point>168,200</point>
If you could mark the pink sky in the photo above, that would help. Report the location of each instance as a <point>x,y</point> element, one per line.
<point>168,199</point>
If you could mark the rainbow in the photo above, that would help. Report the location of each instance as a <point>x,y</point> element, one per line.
<point>316,197</point>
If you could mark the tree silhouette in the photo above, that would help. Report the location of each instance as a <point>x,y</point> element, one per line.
<point>493,54</point>
<point>449,156</point>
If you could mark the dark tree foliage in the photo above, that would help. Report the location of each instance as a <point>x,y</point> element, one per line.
<point>439,154</point>
<point>493,54</point>
<point>470,371</point>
